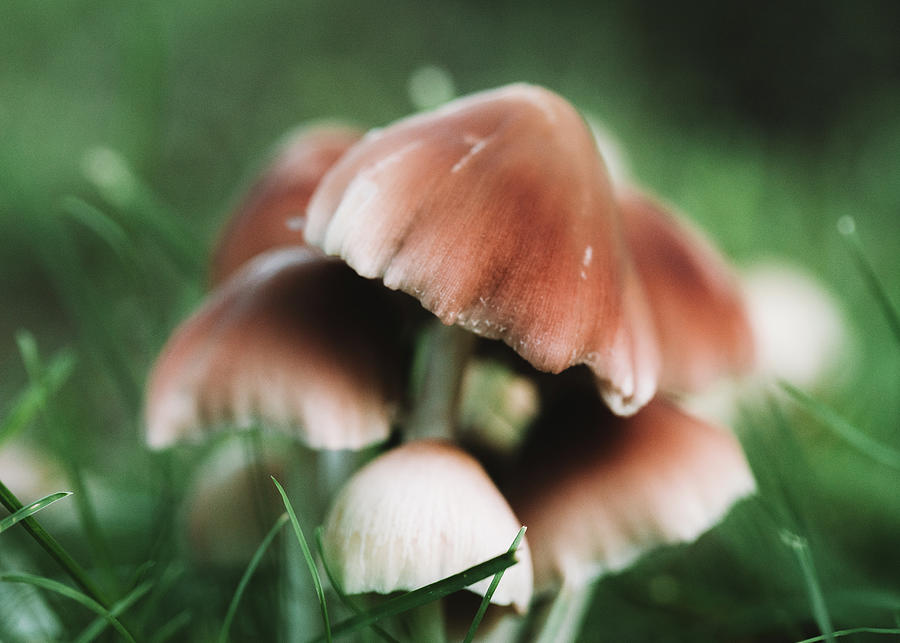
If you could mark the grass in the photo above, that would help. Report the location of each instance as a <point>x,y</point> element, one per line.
<point>119,163</point>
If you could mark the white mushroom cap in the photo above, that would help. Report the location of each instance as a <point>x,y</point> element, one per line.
<point>417,514</point>
<point>798,326</point>
<point>799,335</point>
<point>29,474</point>
<point>295,341</point>
<point>599,491</point>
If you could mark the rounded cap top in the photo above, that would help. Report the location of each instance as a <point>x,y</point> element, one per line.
<point>417,514</point>
<point>495,211</point>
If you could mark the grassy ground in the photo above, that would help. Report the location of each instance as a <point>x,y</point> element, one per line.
<point>127,131</point>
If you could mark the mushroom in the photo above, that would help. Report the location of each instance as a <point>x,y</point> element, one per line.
<point>294,340</point>
<point>798,326</point>
<point>799,336</point>
<point>594,500</point>
<point>417,514</point>
<point>231,504</point>
<point>28,473</point>
<point>699,315</point>
<point>273,214</point>
<point>495,211</point>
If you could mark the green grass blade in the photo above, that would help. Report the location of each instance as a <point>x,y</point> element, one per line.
<point>52,547</point>
<point>814,589</point>
<point>96,628</point>
<point>248,573</point>
<point>102,225</point>
<point>847,227</point>
<point>874,449</point>
<point>30,401</point>
<point>170,629</point>
<point>851,632</point>
<point>423,595</point>
<point>30,510</point>
<point>346,600</point>
<point>486,600</point>
<point>71,593</point>
<point>65,445</point>
<point>120,186</point>
<point>310,562</point>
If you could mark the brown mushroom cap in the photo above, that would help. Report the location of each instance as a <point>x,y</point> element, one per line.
<point>420,513</point>
<point>496,212</point>
<point>273,214</point>
<point>700,318</point>
<point>594,500</point>
<point>294,340</point>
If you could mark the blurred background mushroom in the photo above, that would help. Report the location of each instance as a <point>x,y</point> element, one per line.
<point>273,213</point>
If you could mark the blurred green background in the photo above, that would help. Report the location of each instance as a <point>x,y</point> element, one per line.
<point>128,129</point>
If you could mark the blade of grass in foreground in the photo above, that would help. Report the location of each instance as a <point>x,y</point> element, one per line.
<point>847,227</point>
<point>96,628</point>
<point>248,573</point>
<point>31,509</point>
<point>73,594</point>
<point>863,443</point>
<point>336,586</point>
<point>851,632</point>
<point>310,562</point>
<point>423,595</point>
<point>491,589</point>
<point>52,547</point>
<point>64,444</point>
<point>816,597</point>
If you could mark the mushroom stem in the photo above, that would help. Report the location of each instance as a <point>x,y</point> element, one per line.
<point>334,468</point>
<point>566,614</point>
<point>437,380</point>
<point>426,623</point>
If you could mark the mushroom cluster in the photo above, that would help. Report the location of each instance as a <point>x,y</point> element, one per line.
<point>368,280</point>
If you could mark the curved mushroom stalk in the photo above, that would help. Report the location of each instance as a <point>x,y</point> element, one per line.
<point>273,214</point>
<point>294,340</point>
<point>420,513</point>
<point>496,212</point>
<point>697,308</point>
<point>600,491</point>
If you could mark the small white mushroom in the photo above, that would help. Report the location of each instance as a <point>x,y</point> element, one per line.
<point>417,514</point>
